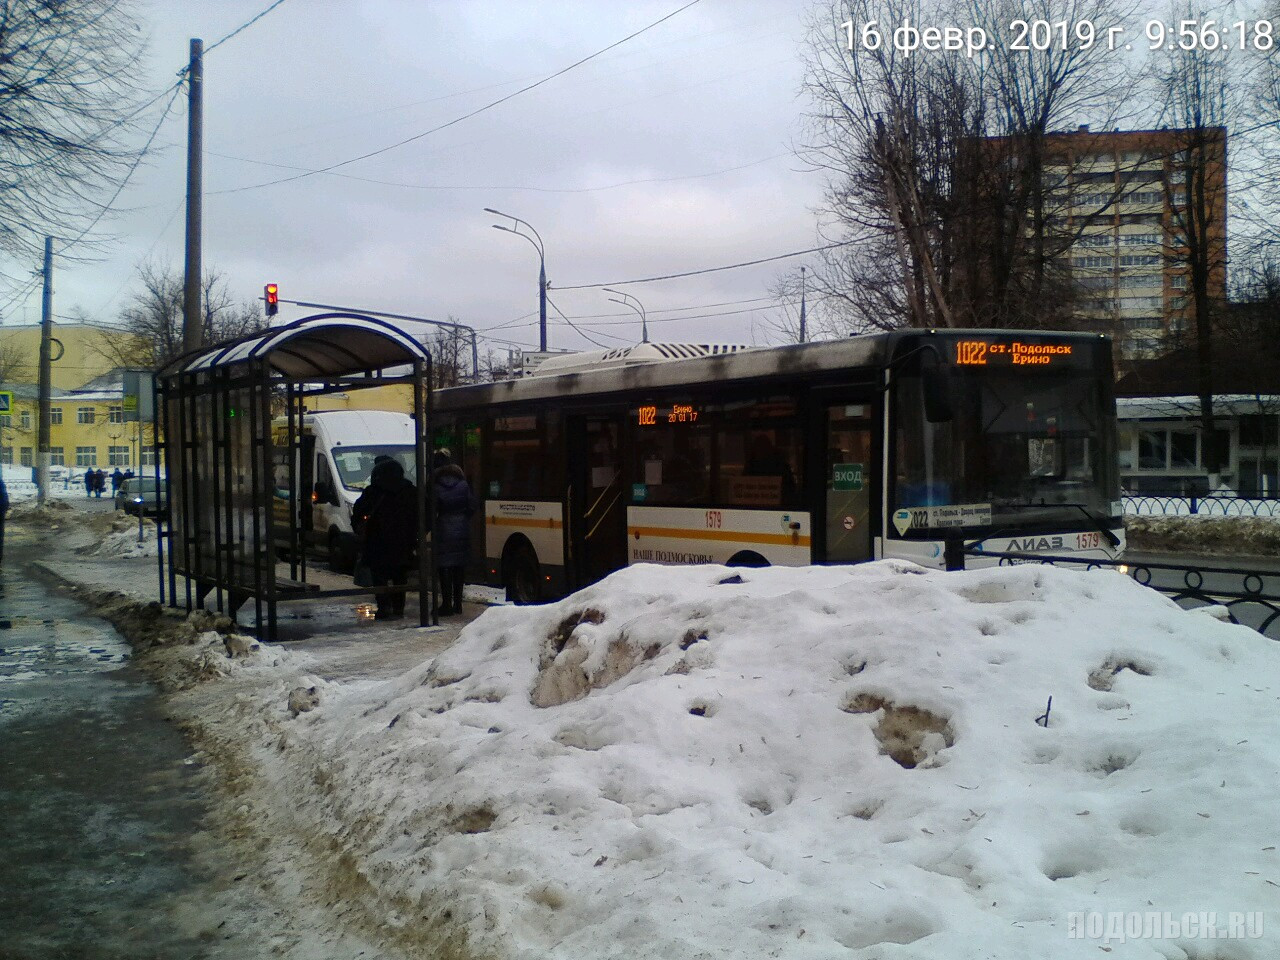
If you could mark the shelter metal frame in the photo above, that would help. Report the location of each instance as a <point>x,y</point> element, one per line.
<point>233,495</point>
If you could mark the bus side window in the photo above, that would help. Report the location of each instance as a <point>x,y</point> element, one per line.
<point>758,467</point>
<point>675,463</point>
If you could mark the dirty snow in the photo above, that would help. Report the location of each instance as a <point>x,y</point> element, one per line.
<point>803,763</point>
<point>1205,535</point>
<point>124,542</point>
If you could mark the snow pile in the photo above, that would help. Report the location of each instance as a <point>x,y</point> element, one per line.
<point>810,763</point>
<point>122,541</point>
<point>1222,536</point>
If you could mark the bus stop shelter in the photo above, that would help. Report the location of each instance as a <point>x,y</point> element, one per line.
<point>230,418</point>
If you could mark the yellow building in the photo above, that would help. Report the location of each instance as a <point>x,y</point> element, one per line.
<point>87,352</point>
<point>87,427</point>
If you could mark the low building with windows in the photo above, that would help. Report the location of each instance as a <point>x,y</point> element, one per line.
<point>1163,450</point>
<point>87,429</point>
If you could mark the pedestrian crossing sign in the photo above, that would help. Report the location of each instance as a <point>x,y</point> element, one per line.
<point>6,401</point>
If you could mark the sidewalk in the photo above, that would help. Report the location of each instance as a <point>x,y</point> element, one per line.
<point>327,633</point>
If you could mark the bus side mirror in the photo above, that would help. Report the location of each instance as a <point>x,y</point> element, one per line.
<point>935,382</point>
<point>325,493</point>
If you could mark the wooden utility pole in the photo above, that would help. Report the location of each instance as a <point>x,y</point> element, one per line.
<point>192,321</point>
<point>46,376</point>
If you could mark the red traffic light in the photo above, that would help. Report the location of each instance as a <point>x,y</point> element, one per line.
<point>272,298</point>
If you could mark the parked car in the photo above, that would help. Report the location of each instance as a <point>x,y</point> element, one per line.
<point>138,495</point>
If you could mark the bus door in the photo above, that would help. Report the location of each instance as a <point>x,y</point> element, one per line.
<point>848,479</point>
<point>597,513</point>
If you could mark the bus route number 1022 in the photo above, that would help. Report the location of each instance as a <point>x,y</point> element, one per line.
<point>971,353</point>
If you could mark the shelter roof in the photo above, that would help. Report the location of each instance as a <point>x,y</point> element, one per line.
<point>324,345</point>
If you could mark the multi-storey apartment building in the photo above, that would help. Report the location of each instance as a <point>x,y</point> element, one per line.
<point>1122,199</point>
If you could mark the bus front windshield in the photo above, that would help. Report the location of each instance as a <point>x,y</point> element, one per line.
<point>355,464</point>
<point>1019,452</point>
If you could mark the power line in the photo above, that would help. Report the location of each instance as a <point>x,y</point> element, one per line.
<point>20,295</point>
<point>244,26</point>
<point>492,189</point>
<point>465,116</point>
<point>696,273</point>
<point>137,161</point>
<point>575,327</point>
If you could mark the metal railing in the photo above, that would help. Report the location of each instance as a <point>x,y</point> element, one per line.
<point>1210,505</point>
<point>1250,597</point>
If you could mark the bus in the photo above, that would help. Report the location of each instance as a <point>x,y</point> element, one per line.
<point>887,445</point>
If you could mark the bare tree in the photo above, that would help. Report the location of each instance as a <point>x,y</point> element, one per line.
<point>155,316</point>
<point>450,356</point>
<point>1249,335</point>
<point>937,163</point>
<point>782,323</point>
<point>67,96</point>
<point>1195,89</point>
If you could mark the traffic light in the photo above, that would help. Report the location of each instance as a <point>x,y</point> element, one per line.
<point>272,298</point>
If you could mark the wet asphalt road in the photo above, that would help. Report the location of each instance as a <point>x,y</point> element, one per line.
<point>98,798</point>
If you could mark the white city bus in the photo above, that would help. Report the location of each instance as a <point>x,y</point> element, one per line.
<point>885,445</point>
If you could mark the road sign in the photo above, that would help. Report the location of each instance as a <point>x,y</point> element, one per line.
<point>137,401</point>
<point>6,401</point>
<point>846,476</point>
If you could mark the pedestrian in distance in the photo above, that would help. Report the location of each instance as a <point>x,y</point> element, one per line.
<point>451,532</point>
<point>99,483</point>
<point>4,512</point>
<point>90,481</point>
<point>385,519</point>
<point>117,478</point>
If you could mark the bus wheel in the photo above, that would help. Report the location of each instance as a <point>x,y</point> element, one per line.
<point>747,558</point>
<point>522,575</point>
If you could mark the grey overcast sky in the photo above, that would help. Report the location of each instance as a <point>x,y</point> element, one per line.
<point>670,153</point>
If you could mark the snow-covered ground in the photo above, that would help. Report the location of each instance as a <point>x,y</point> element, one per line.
<point>703,762</point>
<point>1240,536</point>
<point>823,762</point>
<point>64,482</point>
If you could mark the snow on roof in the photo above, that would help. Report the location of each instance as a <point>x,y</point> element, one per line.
<point>810,763</point>
<point>626,356</point>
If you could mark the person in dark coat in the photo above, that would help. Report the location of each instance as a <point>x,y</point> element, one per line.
<point>386,521</point>
<point>4,511</point>
<point>451,534</point>
<point>99,483</point>
<point>89,482</point>
<point>117,478</point>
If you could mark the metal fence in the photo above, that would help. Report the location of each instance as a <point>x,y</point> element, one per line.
<point>1250,597</point>
<point>1213,505</point>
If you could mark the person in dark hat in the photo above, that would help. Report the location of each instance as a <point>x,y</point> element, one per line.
<point>386,521</point>
<point>451,535</point>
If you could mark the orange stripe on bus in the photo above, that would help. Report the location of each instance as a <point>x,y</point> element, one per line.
<point>676,533</point>
<point>550,523</point>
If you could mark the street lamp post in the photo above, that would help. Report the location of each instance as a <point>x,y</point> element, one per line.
<point>536,240</point>
<point>637,306</point>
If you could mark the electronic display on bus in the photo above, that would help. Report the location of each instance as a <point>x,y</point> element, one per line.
<point>993,352</point>
<point>651,415</point>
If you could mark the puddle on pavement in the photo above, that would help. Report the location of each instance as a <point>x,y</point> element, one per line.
<point>99,797</point>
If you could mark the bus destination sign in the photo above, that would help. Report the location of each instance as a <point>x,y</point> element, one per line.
<point>1014,353</point>
<point>650,416</point>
